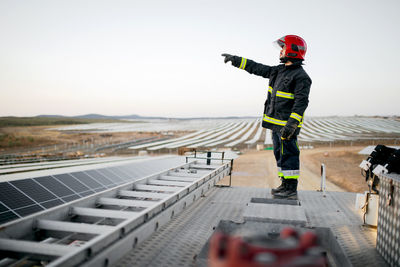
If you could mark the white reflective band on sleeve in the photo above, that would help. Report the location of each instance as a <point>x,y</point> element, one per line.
<point>285,95</point>
<point>296,116</point>
<point>270,89</point>
<point>243,63</point>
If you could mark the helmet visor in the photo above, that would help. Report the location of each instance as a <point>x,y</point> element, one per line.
<point>278,44</point>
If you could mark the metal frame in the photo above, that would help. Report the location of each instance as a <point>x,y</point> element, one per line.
<point>108,219</point>
<point>209,158</point>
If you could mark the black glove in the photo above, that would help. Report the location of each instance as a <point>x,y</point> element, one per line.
<point>227,58</point>
<point>288,131</point>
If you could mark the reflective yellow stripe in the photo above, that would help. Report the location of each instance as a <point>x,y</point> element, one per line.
<point>274,121</point>
<point>278,122</point>
<point>292,177</point>
<point>270,89</point>
<point>296,116</point>
<point>243,63</point>
<point>285,95</point>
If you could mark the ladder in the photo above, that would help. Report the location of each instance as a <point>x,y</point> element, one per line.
<point>99,229</point>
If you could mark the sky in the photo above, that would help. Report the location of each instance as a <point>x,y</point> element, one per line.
<point>163,58</point>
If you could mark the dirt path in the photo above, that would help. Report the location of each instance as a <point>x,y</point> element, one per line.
<point>257,169</point>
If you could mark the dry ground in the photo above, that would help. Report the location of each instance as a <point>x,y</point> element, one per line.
<point>257,169</point>
<point>13,139</point>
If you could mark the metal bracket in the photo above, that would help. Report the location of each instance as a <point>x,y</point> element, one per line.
<point>209,158</point>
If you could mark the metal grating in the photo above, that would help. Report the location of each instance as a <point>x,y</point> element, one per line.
<point>180,241</point>
<point>359,244</point>
<point>275,213</point>
<point>388,241</point>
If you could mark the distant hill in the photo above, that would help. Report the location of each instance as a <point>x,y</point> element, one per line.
<point>48,119</point>
<point>135,117</point>
<point>101,117</point>
<point>97,116</point>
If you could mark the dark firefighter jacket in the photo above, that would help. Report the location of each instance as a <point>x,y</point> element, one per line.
<point>288,90</point>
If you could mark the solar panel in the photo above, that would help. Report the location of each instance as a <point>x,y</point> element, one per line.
<point>52,203</point>
<point>134,172</point>
<point>54,186</point>
<point>111,176</point>
<point>120,173</point>
<point>8,216</point>
<point>71,182</point>
<point>28,210</point>
<point>128,170</point>
<point>34,190</point>
<point>3,208</point>
<point>87,180</point>
<point>13,198</point>
<point>100,178</point>
<point>86,193</point>
<point>70,198</point>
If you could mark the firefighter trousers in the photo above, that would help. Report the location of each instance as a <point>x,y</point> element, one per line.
<point>287,155</point>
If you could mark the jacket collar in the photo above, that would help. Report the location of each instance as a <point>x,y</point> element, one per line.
<point>294,65</point>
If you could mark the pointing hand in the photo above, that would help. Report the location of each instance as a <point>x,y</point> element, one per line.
<point>227,58</point>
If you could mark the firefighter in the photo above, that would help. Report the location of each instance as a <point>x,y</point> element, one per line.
<point>288,90</point>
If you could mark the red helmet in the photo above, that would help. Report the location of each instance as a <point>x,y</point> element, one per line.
<point>296,47</point>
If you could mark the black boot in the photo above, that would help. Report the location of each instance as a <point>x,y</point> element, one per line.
<point>290,191</point>
<point>280,188</point>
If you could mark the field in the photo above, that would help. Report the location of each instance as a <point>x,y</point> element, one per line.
<point>25,133</point>
<point>37,138</point>
<point>334,141</point>
<point>40,121</point>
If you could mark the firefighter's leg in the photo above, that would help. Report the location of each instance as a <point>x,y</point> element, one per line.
<point>277,142</point>
<point>290,164</point>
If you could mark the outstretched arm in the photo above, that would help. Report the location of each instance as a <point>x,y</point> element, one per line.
<point>248,65</point>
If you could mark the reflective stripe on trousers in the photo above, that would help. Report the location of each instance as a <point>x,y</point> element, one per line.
<point>287,155</point>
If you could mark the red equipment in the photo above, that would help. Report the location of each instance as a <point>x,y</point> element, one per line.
<point>296,47</point>
<point>257,251</point>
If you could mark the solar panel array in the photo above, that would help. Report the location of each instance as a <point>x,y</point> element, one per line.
<point>249,132</point>
<point>20,198</point>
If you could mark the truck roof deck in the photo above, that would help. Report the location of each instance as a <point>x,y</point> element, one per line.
<point>180,241</point>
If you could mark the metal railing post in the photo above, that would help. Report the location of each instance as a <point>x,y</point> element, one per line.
<point>323,179</point>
